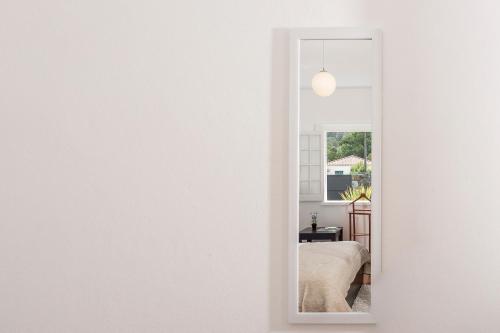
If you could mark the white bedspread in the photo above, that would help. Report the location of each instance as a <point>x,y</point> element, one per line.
<point>326,270</point>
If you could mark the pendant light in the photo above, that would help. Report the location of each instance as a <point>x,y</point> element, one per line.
<point>323,83</point>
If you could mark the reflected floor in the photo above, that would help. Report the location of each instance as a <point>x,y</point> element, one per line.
<point>363,300</point>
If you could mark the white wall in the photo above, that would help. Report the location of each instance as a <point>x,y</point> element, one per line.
<point>345,106</point>
<point>332,215</point>
<point>106,109</point>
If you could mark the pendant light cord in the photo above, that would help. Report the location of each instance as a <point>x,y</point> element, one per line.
<point>323,55</point>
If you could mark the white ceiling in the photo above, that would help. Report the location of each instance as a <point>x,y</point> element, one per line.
<point>349,61</point>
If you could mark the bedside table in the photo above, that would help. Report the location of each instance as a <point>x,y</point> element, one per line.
<point>321,233</point>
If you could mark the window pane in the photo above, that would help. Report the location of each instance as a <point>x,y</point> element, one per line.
<point>315,187</point>
<point>314,143</point>
<point>315,173</point>
<point>304,157</point>
<point>349,165</point>
<point>304,187</point>
<point>315,157</point>
<point>304,173</point>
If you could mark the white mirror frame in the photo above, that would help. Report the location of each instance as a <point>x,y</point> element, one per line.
<point>296,35</point>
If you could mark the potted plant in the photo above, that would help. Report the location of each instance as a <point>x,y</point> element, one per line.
<point>351,194</point>
<point>314,220</point>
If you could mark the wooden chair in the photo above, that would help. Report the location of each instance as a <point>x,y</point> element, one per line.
<point>352,220</point>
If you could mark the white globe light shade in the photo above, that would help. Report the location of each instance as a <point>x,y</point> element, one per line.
<point>323,84</point>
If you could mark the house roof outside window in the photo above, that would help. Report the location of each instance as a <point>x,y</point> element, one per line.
<point>348,161</point>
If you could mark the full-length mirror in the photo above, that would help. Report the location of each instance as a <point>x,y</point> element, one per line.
<point>335,174</point>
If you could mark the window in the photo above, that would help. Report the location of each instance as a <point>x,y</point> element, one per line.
<point>348,157</point>
<point>311,186</point>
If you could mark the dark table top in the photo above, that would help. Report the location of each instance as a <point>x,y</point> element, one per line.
<point>320,230</point>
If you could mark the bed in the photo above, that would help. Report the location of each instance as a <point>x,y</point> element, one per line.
<point>326,272</point>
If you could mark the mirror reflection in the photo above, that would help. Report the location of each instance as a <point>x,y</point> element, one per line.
<point>335,167</point>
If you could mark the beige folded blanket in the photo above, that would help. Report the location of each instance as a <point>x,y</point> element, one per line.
<point>326,270</point>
